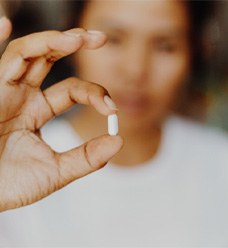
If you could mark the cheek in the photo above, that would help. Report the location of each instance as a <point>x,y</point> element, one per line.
<point>94,66</point>
<point>168,76</point>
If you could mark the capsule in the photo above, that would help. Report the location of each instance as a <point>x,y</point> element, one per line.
<point>113,126</point>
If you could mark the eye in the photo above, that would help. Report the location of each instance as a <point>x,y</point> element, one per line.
<point>166,46</point>
<point>115,39</point>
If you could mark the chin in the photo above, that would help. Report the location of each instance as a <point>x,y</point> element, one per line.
<point>140,122</point>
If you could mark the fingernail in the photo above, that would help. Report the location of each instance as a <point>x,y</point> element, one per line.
<point>95,32</point>
<point>109,102</point>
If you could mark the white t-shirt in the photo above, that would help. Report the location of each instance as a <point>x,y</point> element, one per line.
<point>178,199</point>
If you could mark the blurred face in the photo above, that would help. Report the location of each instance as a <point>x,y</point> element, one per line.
<point>146,59</point>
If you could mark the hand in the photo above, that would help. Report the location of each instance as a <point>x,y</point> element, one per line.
<point>29,168</point>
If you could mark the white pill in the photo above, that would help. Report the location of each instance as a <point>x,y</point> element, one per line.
<point>113,126</point>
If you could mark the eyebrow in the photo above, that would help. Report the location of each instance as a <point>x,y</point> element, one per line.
<point>162,32</point>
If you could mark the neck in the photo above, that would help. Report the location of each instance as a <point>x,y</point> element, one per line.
<point>141,144</point>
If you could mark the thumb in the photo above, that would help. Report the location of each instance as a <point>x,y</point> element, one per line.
<point>5,28</point>
<point>87,158</point>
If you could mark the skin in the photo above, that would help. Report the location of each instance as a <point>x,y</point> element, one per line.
<point>143,65</point>
<point>29,168</point>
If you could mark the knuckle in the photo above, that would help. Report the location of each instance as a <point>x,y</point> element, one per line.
<point>20,42</point>
<point>13,44</point>
<point>51,59</point>
<point>72,80</point>
<point>94,86</point>
<point>71,83</point>
<point>94,92</point>
<point>18,46</point>
<point>80,30</point>
<point>52,32</point>
<point>49,34</point>
<point>86,156</point>
<point>98,89</point>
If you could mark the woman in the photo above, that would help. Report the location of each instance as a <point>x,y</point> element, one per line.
<point>168,185</point>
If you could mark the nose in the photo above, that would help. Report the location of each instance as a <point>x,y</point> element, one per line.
<point>135,64</point>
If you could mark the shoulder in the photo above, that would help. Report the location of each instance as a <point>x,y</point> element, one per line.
<point>196,130</point>
<point>196,139</point>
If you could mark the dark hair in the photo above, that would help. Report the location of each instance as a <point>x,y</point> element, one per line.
<point>195,104</point>
<point>200,12</point>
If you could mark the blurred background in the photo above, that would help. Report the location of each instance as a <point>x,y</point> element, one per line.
<point>210,101</point>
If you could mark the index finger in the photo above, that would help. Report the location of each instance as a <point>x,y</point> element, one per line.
<point>39,44</point>
<point>52,45</point>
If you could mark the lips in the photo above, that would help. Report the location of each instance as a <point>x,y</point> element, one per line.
<point>132,104</point>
